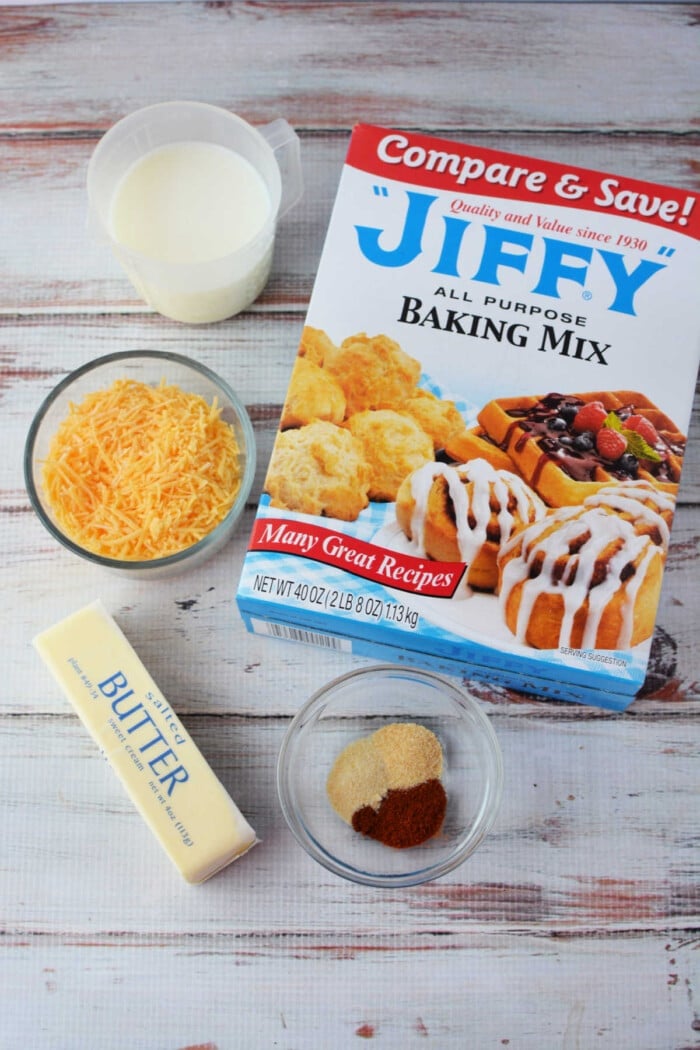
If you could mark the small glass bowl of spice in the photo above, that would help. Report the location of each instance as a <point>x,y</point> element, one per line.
<point>390,776</point>
<point>140,462</point>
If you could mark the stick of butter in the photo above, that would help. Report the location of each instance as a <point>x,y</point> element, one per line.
<point>169,781</point>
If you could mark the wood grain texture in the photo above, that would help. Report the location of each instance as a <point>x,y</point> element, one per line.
<point>193,642</point>
<point>59,266</point>
<point>439,65</point>
<point>497,991</point>
<point>546,865</point>
<point>575,924</point>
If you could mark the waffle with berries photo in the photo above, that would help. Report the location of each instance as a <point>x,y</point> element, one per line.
<point>567,446</point>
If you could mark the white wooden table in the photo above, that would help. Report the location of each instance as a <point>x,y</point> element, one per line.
<point>575,925</point>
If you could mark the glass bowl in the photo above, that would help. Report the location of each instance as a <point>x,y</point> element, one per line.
<point>147,366</point>
<point>355,705</point>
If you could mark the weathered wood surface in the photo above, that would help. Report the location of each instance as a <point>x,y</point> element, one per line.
<point>575,925</point>
<point>489,67</point>
<point>57,266</point>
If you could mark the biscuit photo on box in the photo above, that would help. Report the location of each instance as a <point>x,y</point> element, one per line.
<point>365,387</point>
<point>374,372</point>
<point>394,445</point>
<point>319,469</point>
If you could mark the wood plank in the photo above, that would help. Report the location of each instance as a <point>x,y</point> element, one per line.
<point>52,264</point>
<point>198,606</point>
<point>254,352</point>
<point>360,62</point>
<point>217,667</point>
<point>551,861</point>
<point>224,992</point>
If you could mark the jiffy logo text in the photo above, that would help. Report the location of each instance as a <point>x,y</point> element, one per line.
<point>483,252</point>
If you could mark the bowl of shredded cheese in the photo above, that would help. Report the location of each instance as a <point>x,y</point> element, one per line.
<point>141,462</point>
<point>390,776</point>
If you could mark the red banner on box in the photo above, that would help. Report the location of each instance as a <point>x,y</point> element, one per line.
<point>404,572</point>
<point>420,160</point>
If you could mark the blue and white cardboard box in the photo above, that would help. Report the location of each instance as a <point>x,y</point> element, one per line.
<point>507,294</point>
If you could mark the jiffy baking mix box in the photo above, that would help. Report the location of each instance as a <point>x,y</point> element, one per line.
<point>480,449</point>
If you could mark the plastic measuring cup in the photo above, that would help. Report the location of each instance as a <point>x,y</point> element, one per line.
<point>210,290</point>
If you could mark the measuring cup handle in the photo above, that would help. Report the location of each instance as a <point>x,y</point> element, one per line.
<point>284,142</point>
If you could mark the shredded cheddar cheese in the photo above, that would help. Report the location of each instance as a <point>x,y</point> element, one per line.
<point>137,472</point>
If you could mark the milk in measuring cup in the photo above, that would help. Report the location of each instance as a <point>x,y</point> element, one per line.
<point>188,197</point>
<point>198,217</point>
<point>189,202</point>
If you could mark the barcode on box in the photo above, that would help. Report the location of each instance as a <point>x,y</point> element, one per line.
<point>296,634</point>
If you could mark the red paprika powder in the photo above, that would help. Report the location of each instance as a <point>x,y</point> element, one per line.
<point>406,816</point>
